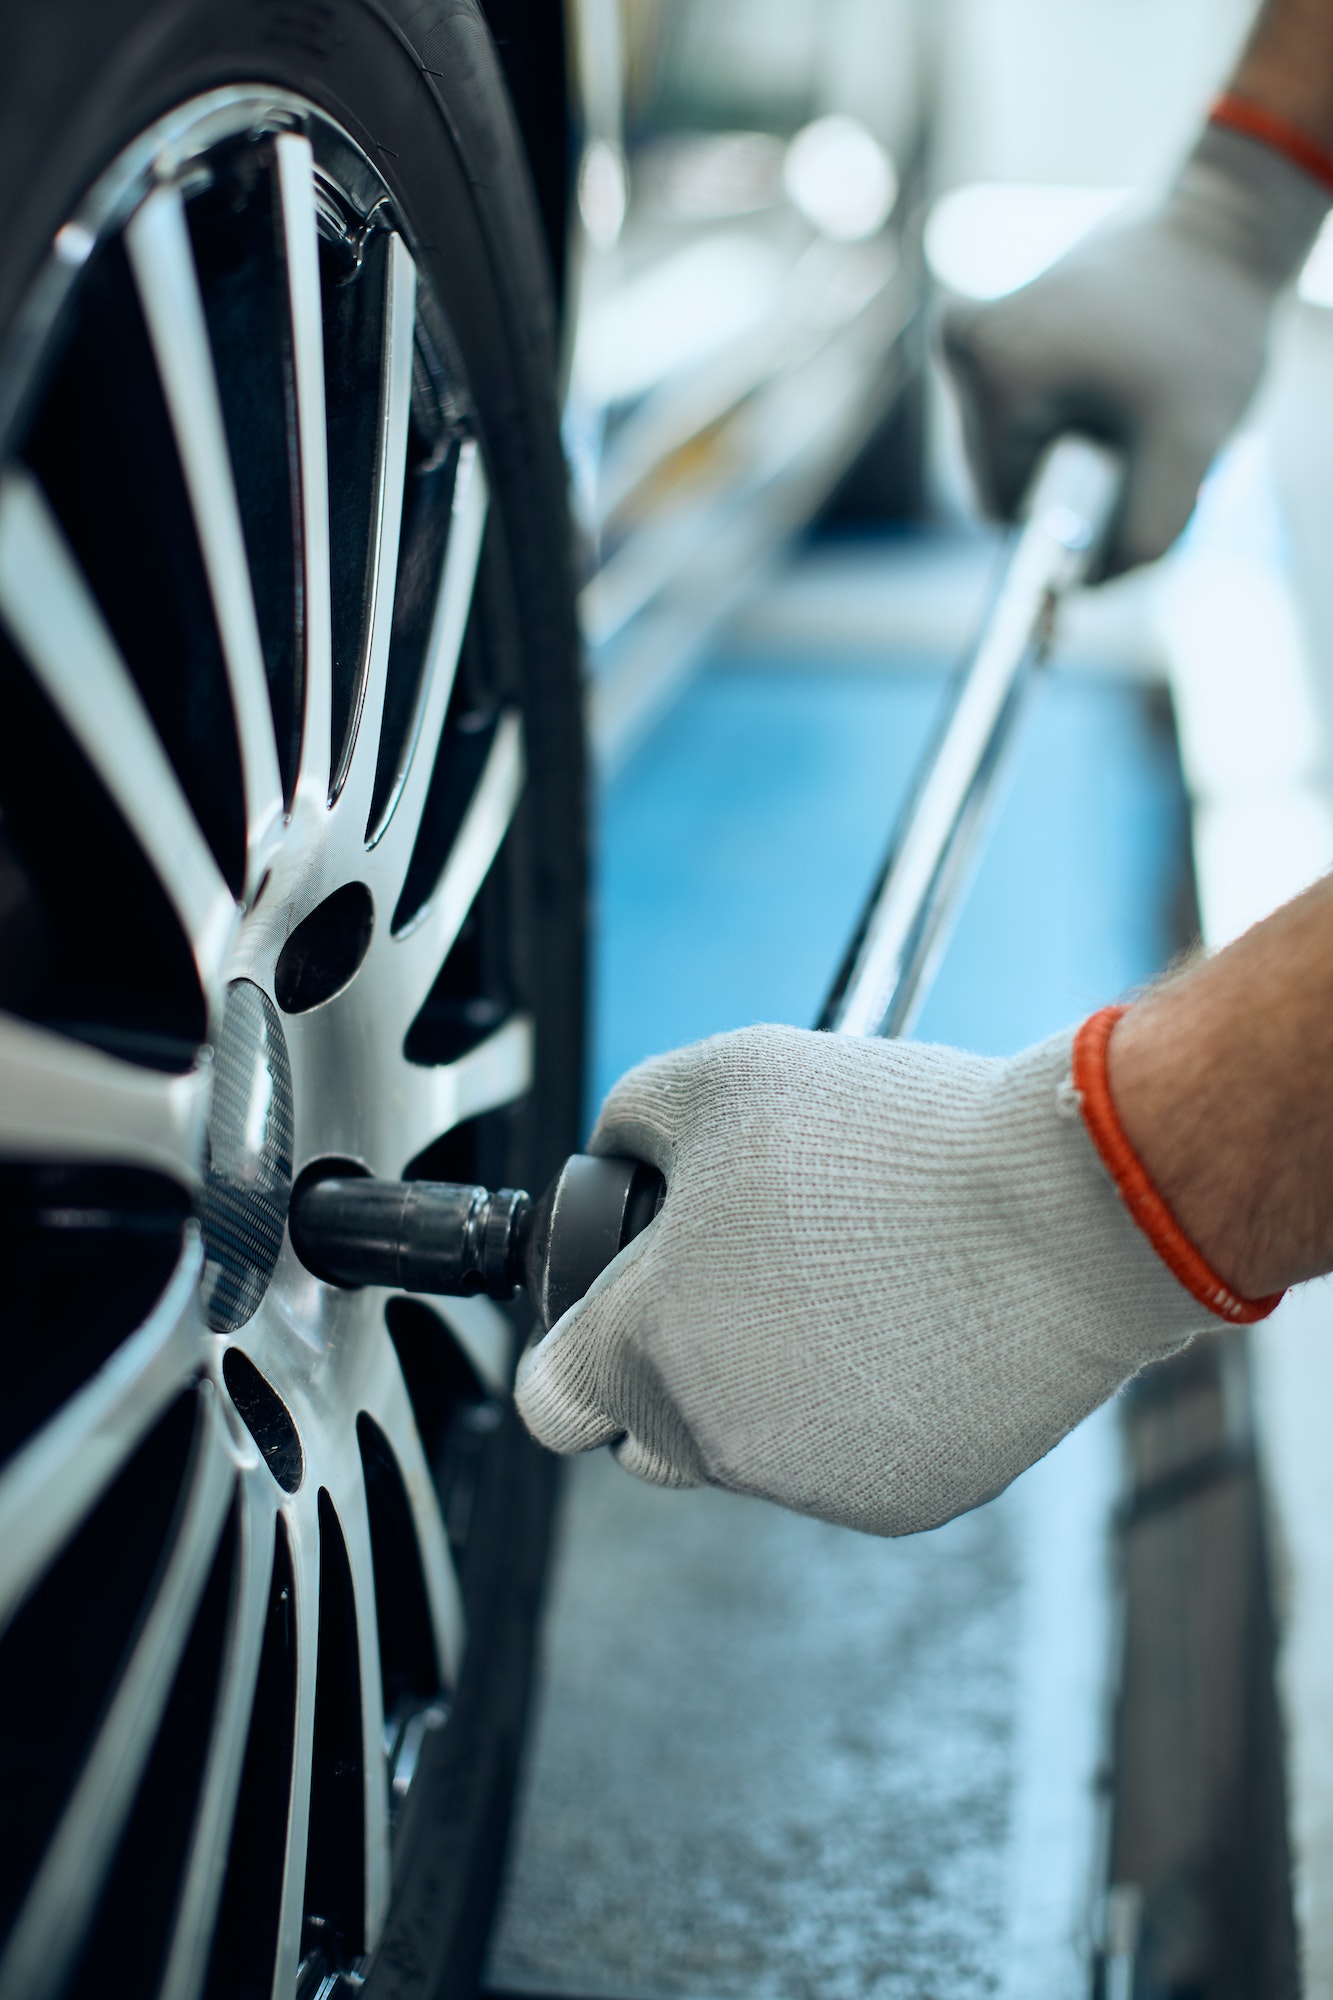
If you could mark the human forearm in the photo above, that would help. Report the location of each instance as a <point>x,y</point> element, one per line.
<point>1287,65</point>
<point>1223,1082</point>
<point>1223,1079</point>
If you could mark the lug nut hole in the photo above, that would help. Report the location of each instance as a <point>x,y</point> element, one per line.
<point>325,951</point>
<point>266,1417</point>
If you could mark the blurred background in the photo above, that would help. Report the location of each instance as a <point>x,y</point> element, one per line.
<point>1082,1740</point>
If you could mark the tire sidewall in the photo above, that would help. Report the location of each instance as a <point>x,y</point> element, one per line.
<point>419,89</point>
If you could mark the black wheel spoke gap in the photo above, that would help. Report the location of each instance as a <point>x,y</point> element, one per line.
<point>245,1940</point>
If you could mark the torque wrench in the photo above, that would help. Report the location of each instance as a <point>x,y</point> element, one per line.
<point>447,1238</point>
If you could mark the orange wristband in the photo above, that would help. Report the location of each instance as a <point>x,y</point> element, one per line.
<point>1137,1192</point>
<point>1240,115</point>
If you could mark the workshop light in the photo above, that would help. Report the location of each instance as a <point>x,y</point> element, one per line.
<point>603,193</point>
<point>840,178</point>
<point>988,239</point>
<point>674,314</point>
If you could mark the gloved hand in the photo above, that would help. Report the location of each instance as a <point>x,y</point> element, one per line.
<point>1151,335</point>
<point>886,1278</point>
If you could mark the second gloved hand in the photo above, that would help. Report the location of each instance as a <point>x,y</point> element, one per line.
<point>1150,336</point>
<point>886,1278</point>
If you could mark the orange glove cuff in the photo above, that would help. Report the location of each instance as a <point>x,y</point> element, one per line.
<point>1240,115</point>
<point>1137,1192</point>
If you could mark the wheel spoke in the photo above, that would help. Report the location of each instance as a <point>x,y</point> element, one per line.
<point>63,1898</point>
<point>420,951</point>
<point>354,1520</point>
<point>395,404</point>
<point>497,1071</point>
<point>158,242</point>
<point>303,1525</point>
<point>49,1486</point>
<point>467,525</point>
<point>188,1955</point>
<point>387,1401</point>
<point>296,182</point>
<point>144,1500</point>
<point>54,620</point>
<point>62,1100</point>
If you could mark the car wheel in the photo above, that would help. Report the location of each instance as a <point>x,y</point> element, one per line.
<point>291,873</point>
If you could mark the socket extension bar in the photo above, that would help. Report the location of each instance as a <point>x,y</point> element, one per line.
<point>906,923</point>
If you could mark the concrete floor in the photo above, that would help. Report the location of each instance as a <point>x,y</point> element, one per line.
<point>773,1758</point>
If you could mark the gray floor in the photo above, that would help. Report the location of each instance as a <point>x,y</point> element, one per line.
<point>782,1761</point>
<point>739,1787</point>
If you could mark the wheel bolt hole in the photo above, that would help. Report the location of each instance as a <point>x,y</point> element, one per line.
<point>266,1417</point>
<point>326,949</point>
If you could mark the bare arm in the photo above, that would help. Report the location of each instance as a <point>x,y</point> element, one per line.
<point>1223,1080</point>
<point>1287,66</point>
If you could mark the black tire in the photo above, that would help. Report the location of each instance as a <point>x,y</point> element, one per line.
<point>91,953</point>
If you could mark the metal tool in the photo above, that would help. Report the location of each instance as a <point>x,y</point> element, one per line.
<point>905,925</point>
<point>436,1236</point>
<point>439,1236</point>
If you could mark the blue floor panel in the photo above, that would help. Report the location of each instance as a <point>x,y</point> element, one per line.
<point>736,848</point>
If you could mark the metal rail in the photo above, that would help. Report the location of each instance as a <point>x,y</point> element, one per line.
<point>905,924</point>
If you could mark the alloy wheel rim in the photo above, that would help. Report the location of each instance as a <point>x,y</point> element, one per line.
<point>279,1403</point>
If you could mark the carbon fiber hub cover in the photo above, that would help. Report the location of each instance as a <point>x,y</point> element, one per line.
<point>248,1176</point>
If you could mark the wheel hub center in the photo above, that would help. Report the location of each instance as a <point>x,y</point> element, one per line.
<point>248,1178</point>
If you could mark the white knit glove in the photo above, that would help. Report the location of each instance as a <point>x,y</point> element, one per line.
<point>1150,335</point>
<point>886,1278</point>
